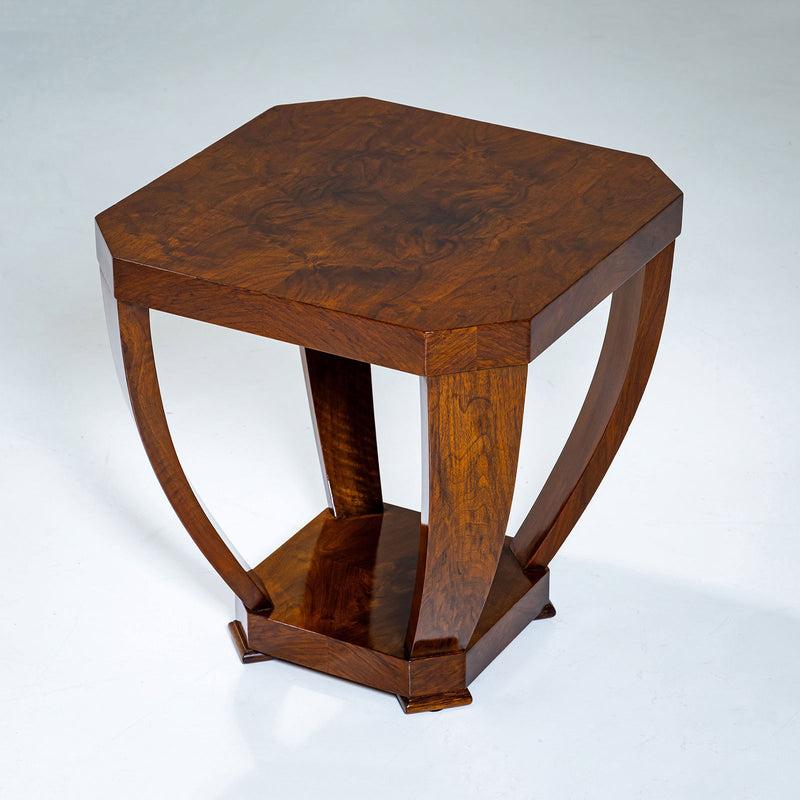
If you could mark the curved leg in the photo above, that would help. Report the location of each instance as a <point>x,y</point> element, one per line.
<point>629,348</point>
<point>471,430</point>
<point>340,394</point>
<point>129,327</point>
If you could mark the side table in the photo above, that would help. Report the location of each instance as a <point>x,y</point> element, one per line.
<point>368,232</point>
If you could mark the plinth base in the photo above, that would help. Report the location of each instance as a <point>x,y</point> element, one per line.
<point>342,592</point>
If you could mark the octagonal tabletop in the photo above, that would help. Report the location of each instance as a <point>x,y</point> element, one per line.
<point>404,237</point>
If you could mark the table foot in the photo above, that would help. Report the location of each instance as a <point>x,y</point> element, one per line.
<point>246,654</point>
<point>435,702</point>
<point>547,612</point>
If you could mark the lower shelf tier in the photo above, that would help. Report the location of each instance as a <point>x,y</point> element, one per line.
<point>342,592</point>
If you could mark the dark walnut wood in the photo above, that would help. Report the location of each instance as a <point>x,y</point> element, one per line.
<point>343,590</point>
<point>367,233</point>
<point>472,423</point>
<point>246,655</point>
<point>392,235</point>
<point>136,357</point>
<point>340,393</point>
<point>629,349</point>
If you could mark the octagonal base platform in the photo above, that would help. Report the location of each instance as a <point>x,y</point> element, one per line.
<point>342,591</point>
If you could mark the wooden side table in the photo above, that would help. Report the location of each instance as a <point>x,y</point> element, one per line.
<point>373,233</point>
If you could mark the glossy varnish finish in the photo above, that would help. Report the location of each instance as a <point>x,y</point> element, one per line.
<point>472,422</point>
<point>372,233</point>
<point>393,235</point>
<point>340,393</point>
<point>343,590</point>
<point>629,349</point>
<point>136,350</point>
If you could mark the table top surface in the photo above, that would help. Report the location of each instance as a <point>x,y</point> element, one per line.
<point>397,214</point>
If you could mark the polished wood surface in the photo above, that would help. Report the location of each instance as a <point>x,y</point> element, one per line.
<point>343,591</point>
<point>340,394</point>
<point>367,233</point>
<point>239,637</point>
<point>472,423</point>
<point>439,702</point>
<point>391,234</point>
<point>136,355</point>
<point>629,349</point>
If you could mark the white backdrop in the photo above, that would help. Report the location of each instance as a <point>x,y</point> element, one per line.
<point>671,668</point>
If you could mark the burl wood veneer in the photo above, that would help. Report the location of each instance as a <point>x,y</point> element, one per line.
<point>373,233</point>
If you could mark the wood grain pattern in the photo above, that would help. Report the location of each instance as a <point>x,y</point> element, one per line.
<point>606,278</point>
<point>342,590</point>
<point>309,326</point>
<point>369,232</point>
<point>634,329</point>
<point>347,578</point>
<point>340,394</point>
<point>471,424</point>
<point>136,355</point>
<point>404,223</point>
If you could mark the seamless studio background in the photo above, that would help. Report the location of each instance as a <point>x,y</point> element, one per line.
<point>671,668</point>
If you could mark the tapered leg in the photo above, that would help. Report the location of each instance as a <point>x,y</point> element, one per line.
<point>340,394</point>
<point>634,329</point>
<point>129,327</point>
<point>471,429</point>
